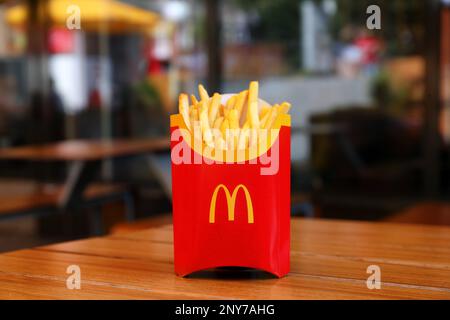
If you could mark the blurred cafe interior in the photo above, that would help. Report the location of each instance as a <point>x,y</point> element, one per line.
<point>370,106</point>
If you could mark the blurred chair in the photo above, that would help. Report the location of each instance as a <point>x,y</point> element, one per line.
<point>375,156</point>
<point>160,165</point>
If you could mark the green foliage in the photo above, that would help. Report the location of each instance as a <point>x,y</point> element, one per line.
<point>147,95</point>
<point>385,97</point>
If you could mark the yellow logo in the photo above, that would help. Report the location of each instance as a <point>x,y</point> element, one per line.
<point>231,202</point>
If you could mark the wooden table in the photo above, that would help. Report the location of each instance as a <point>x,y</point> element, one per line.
<point>329,261</point>
<point>85,158</point>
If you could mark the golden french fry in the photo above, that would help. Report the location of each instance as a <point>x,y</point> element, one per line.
<point>194,100</point>
<point>244,135</point>
<point>226,112</point>
<point>264,110</point>
<point>234,126</point>
<point>284,107</point>
<point>219,142</point>
<point>265,117</point>
<point>233,119</point>
<point>231,102</point>
<point>243,139</point>
<point>214,108</point>
<point>273,114</point>
<point>203,107</point>
<point>204,124</point>
<point>272,125</point>
<point>253,91</point>
<point>240,101</point>
<point>218,123</point>
<point>252,113</point>
<point>253,138</point>
<point>203,93</point>
<point>183,106</point>
<point>192,108</point>
<point>252,110</point>
<point>224,127</point>
<point>263,140</point>
<point>193,116</point>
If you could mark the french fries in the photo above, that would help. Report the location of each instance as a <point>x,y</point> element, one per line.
<point>203,93</point>
<point>239,104</point>
<point>183,105</point>
<point>238,123</point>
<point>214,108</point>
<point>252,111</point>
<point>194,100</point>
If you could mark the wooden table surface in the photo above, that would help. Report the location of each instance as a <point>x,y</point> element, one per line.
<point>329,261</point>
<point>85,150</point>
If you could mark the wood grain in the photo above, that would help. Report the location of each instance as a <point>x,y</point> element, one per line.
<point>329,261</point>
<point>85,150</point>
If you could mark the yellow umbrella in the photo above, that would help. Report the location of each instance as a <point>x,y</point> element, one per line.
<point>94,15</point>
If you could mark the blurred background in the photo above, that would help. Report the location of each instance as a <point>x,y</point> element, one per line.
<point>370,115</point>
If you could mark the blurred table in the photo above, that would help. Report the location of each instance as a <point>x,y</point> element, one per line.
<point>85,158</point>
<point>329,261</point>
<point>84,150</point>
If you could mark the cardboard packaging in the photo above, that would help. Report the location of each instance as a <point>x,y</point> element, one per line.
<point>235,213</point>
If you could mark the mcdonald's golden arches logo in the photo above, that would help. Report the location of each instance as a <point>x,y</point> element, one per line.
<point>231,202</point>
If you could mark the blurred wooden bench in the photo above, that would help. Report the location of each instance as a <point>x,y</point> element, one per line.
<point>19,198</point>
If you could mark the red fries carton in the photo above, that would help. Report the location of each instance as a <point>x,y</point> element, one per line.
<point>234,212</point>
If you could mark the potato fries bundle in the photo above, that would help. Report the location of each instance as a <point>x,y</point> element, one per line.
<point>235,122</point>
